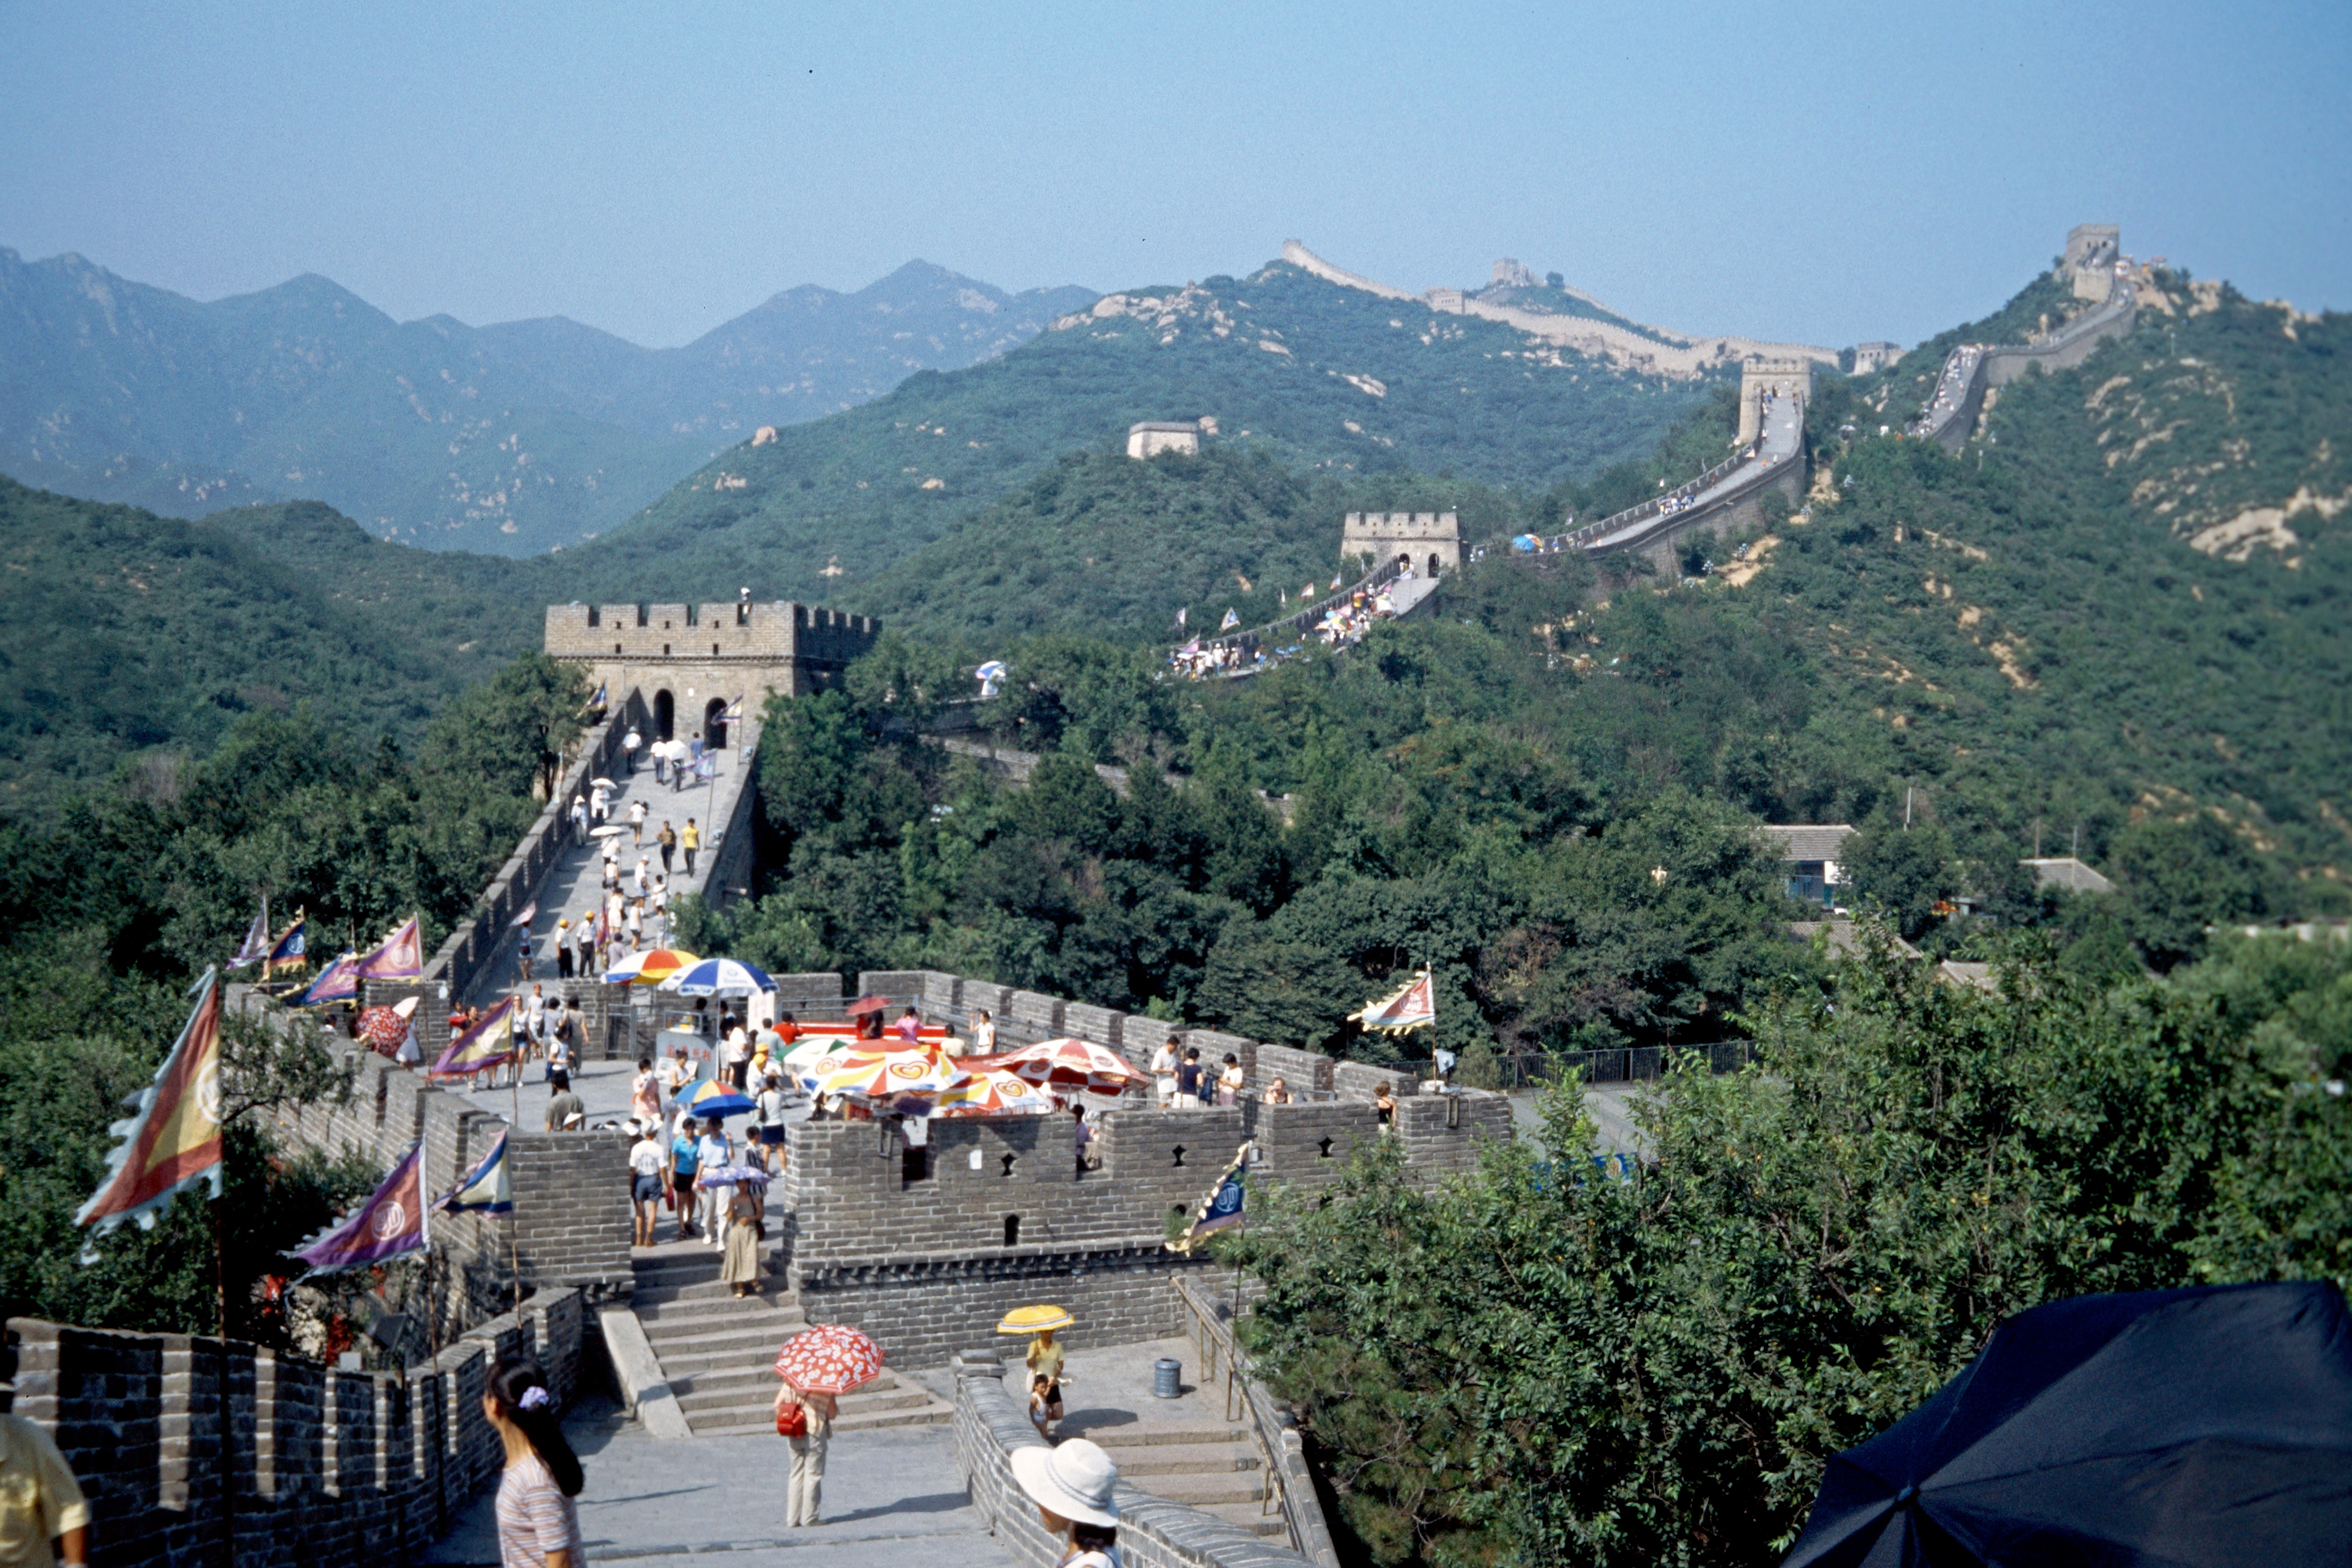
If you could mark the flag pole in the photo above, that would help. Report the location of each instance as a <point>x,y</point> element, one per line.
<point>227,1461</point>
<point>514,1249</point>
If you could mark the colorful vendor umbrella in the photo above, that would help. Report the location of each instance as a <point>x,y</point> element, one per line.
<point>1068,1063</point>
<point>1035,1319</point>
<point>718,977</point>
<point>886,1075</point>
<point>729,1175</point>
<point>994,1094</point>
<point>802,1061</point>
<point>650,967</point>
<point>829,1359</point>
<point>716,1097</point>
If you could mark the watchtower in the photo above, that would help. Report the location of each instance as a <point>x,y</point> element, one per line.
<point>1150,437</point>
<point>1432,538</point>
<point>692,661</point>
<point>1778,377</point>
<point>2092,249</point>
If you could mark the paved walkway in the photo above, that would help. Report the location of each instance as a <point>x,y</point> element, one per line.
<point>576,885</point>
<point>891,1497</point>
<point>1782,438</point>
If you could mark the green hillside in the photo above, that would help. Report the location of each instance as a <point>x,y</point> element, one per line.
<point>120,630</point>
<point>1318,376</point>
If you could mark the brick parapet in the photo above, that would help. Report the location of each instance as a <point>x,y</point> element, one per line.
<point>323,1466</point>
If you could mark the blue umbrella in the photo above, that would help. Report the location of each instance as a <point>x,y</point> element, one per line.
<point>2177,1428</point>
<point>713,1097</point>
<point>718,977</point>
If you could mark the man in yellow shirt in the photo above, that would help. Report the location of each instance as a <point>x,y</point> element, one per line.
<point>40,1501</point>
<point>690,840</point>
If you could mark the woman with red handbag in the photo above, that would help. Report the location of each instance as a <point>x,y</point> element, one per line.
<point>804,1421</point>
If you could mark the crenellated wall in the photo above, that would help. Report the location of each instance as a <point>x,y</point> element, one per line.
<point>327,1469</point>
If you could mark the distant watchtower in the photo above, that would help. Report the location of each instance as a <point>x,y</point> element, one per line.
<point>1781,377</point>
<point>1152,437</point>
<point>2091,250</point>
<point>692,661</point>
<point>1432,538</point>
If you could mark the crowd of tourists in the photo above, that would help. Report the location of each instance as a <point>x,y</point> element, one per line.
<point>1342,624</point>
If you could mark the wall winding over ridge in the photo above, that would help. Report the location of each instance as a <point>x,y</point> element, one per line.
<point>2001,364</point>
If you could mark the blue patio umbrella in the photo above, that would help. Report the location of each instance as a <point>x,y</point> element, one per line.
<point>2161,1429</point>
<point>716,1097</point>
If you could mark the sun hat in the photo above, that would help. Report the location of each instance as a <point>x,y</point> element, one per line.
<point>1075,1480</point>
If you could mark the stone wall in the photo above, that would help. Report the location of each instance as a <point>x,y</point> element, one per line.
<point>330,1468</point>
<point>1152,1531</point>
<point>698,652</point>
<point>571,1224</point>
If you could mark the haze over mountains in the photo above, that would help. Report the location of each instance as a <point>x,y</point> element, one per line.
<point>508,439</point>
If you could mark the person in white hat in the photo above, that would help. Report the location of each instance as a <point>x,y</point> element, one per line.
<point>1071,1487</point>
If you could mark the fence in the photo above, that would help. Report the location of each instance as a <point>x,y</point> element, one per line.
<point>1290,1483</point>
<point>1632,1064</point>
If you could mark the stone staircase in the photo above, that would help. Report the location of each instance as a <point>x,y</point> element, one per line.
<point>717,1352</point>
<point>1215,1468</point>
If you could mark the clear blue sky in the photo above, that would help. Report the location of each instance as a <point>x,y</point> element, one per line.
<point>1831,172</point>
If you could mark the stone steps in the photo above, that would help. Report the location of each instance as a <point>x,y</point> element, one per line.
<point>718,1351</point>
<point>1214,1467</point>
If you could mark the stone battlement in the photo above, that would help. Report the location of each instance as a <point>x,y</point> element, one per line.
<point>1433,539</point>
<point>741,629</point>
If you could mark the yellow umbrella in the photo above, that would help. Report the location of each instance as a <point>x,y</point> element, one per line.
<point>1035,1319</point>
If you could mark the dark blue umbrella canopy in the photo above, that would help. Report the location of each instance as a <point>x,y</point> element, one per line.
<point>2166,1428</point>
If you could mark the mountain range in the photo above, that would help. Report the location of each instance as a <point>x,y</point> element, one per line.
<point>508,439</point>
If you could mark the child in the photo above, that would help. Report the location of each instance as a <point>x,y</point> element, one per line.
<point>1040,1387</point>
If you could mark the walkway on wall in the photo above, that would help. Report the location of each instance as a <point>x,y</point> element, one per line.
<point>575,883</point>
<point>1970,368</point>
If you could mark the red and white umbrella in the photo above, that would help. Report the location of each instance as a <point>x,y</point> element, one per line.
<point>382,1029</point>
<point>912,1069</point>
<point>829,1359</point>
<point>994,1094</point>
<point>1069,1063</point>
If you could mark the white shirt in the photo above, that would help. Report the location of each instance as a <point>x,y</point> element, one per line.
<point>647,1156</point>
<point>1164,1062</point>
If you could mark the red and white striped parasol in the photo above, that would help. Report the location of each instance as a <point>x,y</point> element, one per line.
<point>1068,1063</point>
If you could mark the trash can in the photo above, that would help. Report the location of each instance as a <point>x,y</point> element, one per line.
<point>1167,1378</point>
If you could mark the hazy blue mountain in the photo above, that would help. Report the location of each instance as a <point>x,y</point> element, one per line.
<point>511,439</point>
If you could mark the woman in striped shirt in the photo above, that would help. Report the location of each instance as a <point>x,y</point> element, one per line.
<point>538,1524</point>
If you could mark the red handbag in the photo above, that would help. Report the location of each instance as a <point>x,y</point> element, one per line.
<point>792,1422</point>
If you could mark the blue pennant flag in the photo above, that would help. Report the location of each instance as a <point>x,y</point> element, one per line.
<point>489,1190</point>
<point>1224,1207</point>
<point>293,944</point>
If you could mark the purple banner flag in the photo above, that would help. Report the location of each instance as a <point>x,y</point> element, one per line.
<point>389,1223</point>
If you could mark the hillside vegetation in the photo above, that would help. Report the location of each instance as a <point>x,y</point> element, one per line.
<point>1318,376</point>
<point>121,631</point>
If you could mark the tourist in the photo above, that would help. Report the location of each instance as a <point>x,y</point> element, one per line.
<point>584,937</point>
<point>910,1027</point>
<point>1038,1386</point>
<point>984,1033</point>
<point>41,1500</point>
<point>735,1053</point>
<point>689,839</point>
<point>647,1159</point>
<point>563,1040</point>
<point>1277,1093</point>
<point>522,952</point>
<point>740,1267</point>
<point>806,1421</point>
<point>629,744</point>
<point>539,1522</point>
<point>684,1159</point>
<point>564,1111</point>
<point>667,839</point>
<point>773,1102</point>
<point>1163,1072</point>
<point>677,1072</point>
<point>563,950</point>
<point>534,1026</point>
<point>869,1024</point>
<point>1044,1359</point>
<point>1231,1082</point>
<point>711,1153</point>
<point>1080,1136</point>
<point>579,818</point>
<point>599,804</point>
<point>1072,1485</point>
<point>645,1094</point>
<point>1384,1105</point>
<point>1188,1077</point>
<point>641,879</point>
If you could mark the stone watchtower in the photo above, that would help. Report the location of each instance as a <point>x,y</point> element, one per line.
<point>2091,250</point>
<point>1151,438</point>
<point>1432,538</point>
<point>1782,377</point>
<point>692,660</point>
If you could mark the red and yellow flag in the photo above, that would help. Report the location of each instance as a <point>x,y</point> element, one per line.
<point>488,1044</point>
<point>1413,1007</point>
<point>174,1139</point>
